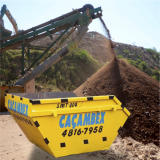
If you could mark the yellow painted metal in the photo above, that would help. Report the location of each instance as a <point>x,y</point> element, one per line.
<point>12,20</point>
<point>69,126</point>
<point>8,89</point>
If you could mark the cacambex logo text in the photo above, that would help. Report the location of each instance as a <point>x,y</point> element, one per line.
<point>77,120</point>
<point>18,107</point>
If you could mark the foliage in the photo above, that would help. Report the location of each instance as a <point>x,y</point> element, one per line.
<point>120,56</point>
<point>7,67</point>
<point>155,54</point>
<point>126,51</point>
<point>141,65</point>
<point>71,71</point>
<point>67,74</point>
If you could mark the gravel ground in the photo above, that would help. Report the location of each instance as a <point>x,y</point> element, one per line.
<point>15,146</point>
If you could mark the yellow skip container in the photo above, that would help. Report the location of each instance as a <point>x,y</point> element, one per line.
<point>62,124</point>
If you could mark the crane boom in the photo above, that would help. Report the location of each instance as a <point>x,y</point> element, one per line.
<point>12,20</point>
<point>4,10</point>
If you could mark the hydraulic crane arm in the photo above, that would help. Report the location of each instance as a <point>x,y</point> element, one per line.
<point>8,14</point>
<point>4,10</point>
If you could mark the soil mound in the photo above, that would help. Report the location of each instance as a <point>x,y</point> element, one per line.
<point>97,45</point>
<point>136,90</point>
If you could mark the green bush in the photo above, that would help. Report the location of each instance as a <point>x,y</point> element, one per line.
<point>71,71</point>
<point>155,54</point>
<point>141,65</point>
<point>126,51</point>
<point>149,50</point>
<point>120,56</point>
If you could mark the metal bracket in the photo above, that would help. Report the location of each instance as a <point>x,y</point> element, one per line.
<point>33,28</point>
<point>49,34</point>
<point>46,51</point>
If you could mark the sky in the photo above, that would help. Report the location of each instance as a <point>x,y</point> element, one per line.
<point>135,22</point>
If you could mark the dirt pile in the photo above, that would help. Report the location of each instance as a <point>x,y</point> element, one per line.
<point>97,45</point>
<point>136,90</point>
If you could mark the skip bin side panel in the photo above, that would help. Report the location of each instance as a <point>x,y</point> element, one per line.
<point>27,125</point>
<point>42,108</point>
<point>31,131</point>
<point>65,141</point>
<point>62,129</point>
<point>84,131</point>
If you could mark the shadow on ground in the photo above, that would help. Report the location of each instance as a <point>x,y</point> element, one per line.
<point>39,154</point>
<point>5,113</point>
